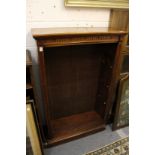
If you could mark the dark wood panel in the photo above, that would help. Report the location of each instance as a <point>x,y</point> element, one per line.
<point>66,128</point>
<point>111,92</point>
<point>107,65</point>
<point>73,74</point>
<point>45,91</point>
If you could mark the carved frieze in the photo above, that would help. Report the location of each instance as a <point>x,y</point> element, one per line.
<point>71,40</point>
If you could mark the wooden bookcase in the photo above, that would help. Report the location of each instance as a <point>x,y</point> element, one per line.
<point>79,71</point>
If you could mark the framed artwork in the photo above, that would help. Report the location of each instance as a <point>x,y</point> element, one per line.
<point>121,4</point>
<point>121,117</point>
<point>33,146</point>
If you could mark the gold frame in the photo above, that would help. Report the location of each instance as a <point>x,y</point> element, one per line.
<point>32,130</point>
<point>120,4</point>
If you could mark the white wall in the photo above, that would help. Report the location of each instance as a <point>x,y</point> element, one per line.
<point>52,13</point>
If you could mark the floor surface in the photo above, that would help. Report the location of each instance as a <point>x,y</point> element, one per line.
<point>89,143</point>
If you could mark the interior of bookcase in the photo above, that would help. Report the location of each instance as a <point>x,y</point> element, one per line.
<point>78,79</point>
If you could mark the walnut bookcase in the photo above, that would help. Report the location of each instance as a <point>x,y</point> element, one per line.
<point>79,70</point>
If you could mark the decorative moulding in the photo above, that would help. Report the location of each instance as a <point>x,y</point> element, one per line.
<point>120,4</point>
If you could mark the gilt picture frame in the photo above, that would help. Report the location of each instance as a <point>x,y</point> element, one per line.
<point>119,4</point>
<point>33,142</point>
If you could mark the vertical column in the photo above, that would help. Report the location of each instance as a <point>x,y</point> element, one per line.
<point>44,89</point>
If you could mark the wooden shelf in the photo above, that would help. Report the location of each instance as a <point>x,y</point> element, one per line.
<point>28,86</point>
<point>71,127</point>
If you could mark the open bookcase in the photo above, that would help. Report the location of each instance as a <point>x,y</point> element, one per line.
<point>79,70</point>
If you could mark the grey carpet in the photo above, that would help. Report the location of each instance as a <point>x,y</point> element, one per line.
<point>89,143</point>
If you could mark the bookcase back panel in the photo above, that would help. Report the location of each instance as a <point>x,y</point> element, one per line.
<point>75,75</point>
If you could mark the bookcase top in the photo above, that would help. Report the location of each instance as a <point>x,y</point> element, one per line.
<point>47,32</point>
